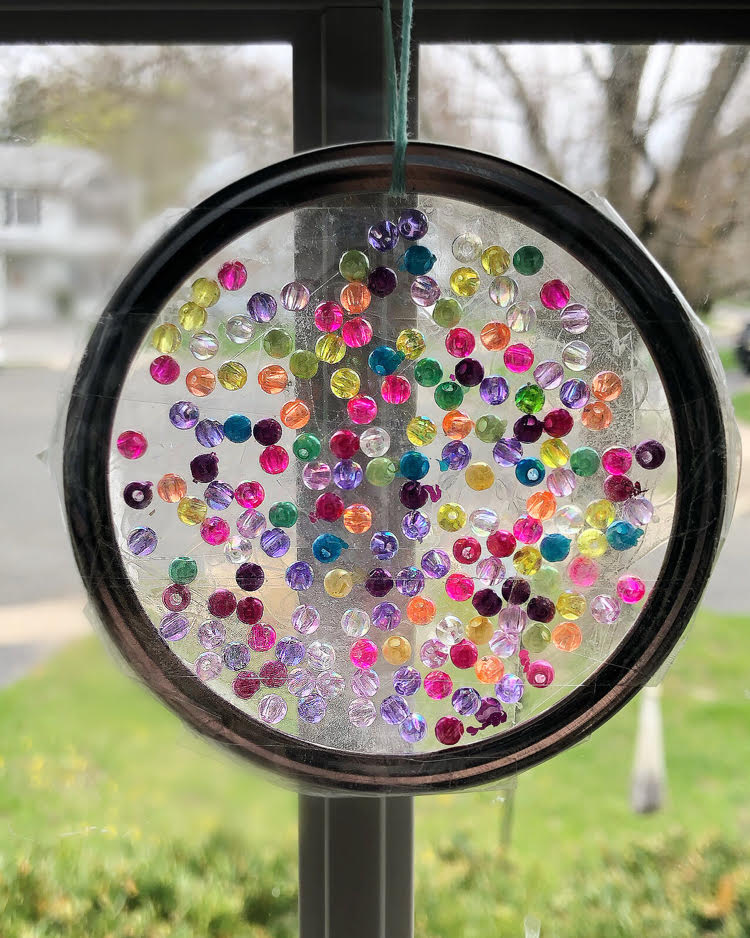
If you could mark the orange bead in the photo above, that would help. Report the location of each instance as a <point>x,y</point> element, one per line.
<point>357,519</point>
<point>566,636</point>
<point>200,381</point>
<point>457,424</point>
<point>420,610</point>
<point>171,488</point>
<point>355,298</point>
<point>273,379</point>
<point>295,414</point>
<point>489,669</point>
<point>606,386</point>
<point>596,416</point>
<point>541,506</point>
<point>495,336</point>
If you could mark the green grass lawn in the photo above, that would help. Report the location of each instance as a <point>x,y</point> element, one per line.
<point>741,402</point>
<point>99,782</point>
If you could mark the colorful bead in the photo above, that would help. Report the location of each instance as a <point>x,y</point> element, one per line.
<point>650,454</point>
<point>528,260</point>
<point>503,292</point>
<point>518,358</point>
<point>418,260</point>
<point>354,266</point>
<point>362,409</point>
<point>383,236</point>
<point>356,333</point>
<point>411,343</point>
<point>425,291</point>
<point>448,395</point>
<point>395,389</point>
<point>575,319</point>
<point>382,281</point>
<point>355,298</point>
<point>596,416</point>
<point>447,313</point>
<point>328,317</point>
<point>495,260</point>
<point>631,589</point>
<point>294,296</point>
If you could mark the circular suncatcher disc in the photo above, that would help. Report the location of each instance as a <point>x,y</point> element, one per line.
<point>395,494</point>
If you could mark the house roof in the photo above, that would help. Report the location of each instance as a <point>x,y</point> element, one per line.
<point>49,166</point>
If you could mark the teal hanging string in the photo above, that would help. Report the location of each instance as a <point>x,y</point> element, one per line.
<point>398,91</point>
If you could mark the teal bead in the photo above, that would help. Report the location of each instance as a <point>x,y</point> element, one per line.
<point>414,465</point>
<point>419,260</point>
<point>530,471</point>
<point>327,547</point>
<point>622,535</point>
<point>554,547</point>
<point>384,360</point>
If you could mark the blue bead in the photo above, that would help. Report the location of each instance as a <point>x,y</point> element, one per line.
<point>384,360</point>
<point>530,471</point>
<point>419,260</point>
<point>327,547</point>
<point>414,465</point>
<point>622,535</point>
<point>554,547</point>
<point>237,428</point>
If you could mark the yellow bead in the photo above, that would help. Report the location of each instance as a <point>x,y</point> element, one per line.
<point>479,630</point>
<point>464,281</point>
<point>192,317</point>
<point>600,514</point>
<point>571,605</point>
<point>554,453</point>
<point>166,338</point>
<point>527,561</point>
<point>232,376</point>
<point>411,343</point>
<point>338,583</point>
<point>451,517</point>
<point>205,292</point>
<point>420,431</point>
<point>345,383</point>
<point>495,260</point>
<point>592,543</point>
<point>479,476</point>
<point>191,510</point>
<point>330,348</point>
<point>396,650</point>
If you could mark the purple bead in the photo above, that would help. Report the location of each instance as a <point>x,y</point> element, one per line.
<point>466,701</point>
<point>379,582</point>
<point>574,394</point>
<point>413,495</point>
<point>528,429</point>
<point>413,729</point>
<point>456,454</point>
<point>433,653</point>
<point>261,307</point>
<point>540,609</point>
<point>512,620</point>
<point>509,689</point>
<point>267,432</point>
<point>410,581</point>
<point>312,709</point>
<point>507,452</point>
<point>317,475</point>
<point>289,651</point>
<point>384,545</point>
<point>406,680</point>
<point>383,236</point>
<point>549,375</point>
<point>274,543</point>
<point>138,494</point>
<point>347,474</point>
<point>236,655</point>
<point>212,633</point>
<point>184,415</point>
<point>394,710</point>
<point>365,683</point>
<point>503,644</point>
<point>209,433</point>
<point>204,468</point>
<point>469,372</point>
<point>142,541</point>
<point>218,495</point>
<point>382,281</point>
<point>424,291</point>
<point>650,454</point>
<point>491,571</point>
<point>299,576</point>
<point>386,617</point>
<point>486,602</point>
<point>250,577</point>
<point>516,590</point>
<point>415,525</point>
<point>412,224</point>
<point>493,389</point>
<point>436,563</point>
<point>174,626</point>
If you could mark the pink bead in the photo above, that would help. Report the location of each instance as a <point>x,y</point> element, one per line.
<point>540,673</point>
<point>395,389</point>
<point>464,654</point>
<point>164,370</point>
<point>460,342</point>
<point>232,275</point>
<point>215,531</point>
<point>274,459</point>
<point>363,654</point>
<point>132,444</point>
<point>518,358</point>
<point>362,409</point>
<point>528,530</point>
<point>261,637</point>
<point>437,685</point>
<point>459,587</point>
<point>449,730</point>
<point>555,294</point>
<point>617,460</point>
<point>501,543</point>
<point>583,571</point>
<point>631,589</point>
<point>605,609</point>
<point>561,482</point>
<point>249,494</point>
<point>328,317</point>
<point>356,332</point>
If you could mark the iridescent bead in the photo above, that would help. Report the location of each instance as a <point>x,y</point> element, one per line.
<point>569,520</point>
<point>361,713</point>
<point>208,666</point>
<point>305,619</point>
<point>356,333</point>
<point>418,260</point>
<point>549,375</point>
<point>528,260</point>
<point>521,317</point>
<point>382,281</point>
<point>491,571</point>
<point>503,644</point>
<point>316,476</point>
<point>467,247</point>
<point>239,329</point>
<point>435,563</point>
<point>232,275</point>
<point>383,236</point>
<point>384,545</point>
<point>456,455</point>
<point>503,292</point>
<point>386,617</point>
<point>433,653</point>
<point>328,317</point>
<point>510,689</point>
<point>299,576</point>
<point>575,319</point>
<point>576,356</point>
<point>412,224</point>
<point>605,609</point>
<point>204,345</point>
<point>374,441</point>
<point>236,656</point>
<point>415,525</point>
<point>251,523</point>
<point>142,541</point>
<point>508,452</point>
<point>300,683</point>
<point>495,260</point>
<point>413,729</point>
<point>447,313</point>
<point>329,684</point>
<point>518,358</point>
<point>561,482</point>
<point>211,634</point>
<point>424,291</point>
<point>574,393</point>
<point>638,510</point>
<point>650,454</point>
<point>272,709</point>
<point>493,389</point>
<point>354,266</point>
<point>394,710</point>
<point>483,521</point>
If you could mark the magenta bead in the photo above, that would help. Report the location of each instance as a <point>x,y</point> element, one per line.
<point>583,571</point>
<point>362,409</point>
<point>395,389</point>
<point>459,587</point>
<point>273,460</point>
<point>561,482</point>
<point>232,275</point>
<point>215,531</point>
<point>356,332</point>
<point>261,637</point>
<point>249,494</point>
<point>540,673</point>
<point>631,589</point>
<point>164,370</point>
<point>328,317</point>
<point>528,530</point>
<point>464,654</point>
<point>437,685</point>
<point>363,654</point>
<point>518,358</point>
<point>617,460</point>
<point>554,294</point>
<point>131,444</point>
<point>460,342</point>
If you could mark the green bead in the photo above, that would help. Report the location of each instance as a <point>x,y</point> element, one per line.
<point>547,582</point>
<point>530,399</point>
<point>447,313</point>
<point>277,343</point>
<point>584,461</point>
<point>528,260</point>
<point>380,471</point>
<point>428,372</point>
<point>354,266</point>
<point>283,514</point>
<point>535,638</point>
<point>183,570</point>
<point>449,395</point>
<point>304,364</point>
<point>306,447</point>
<point>489,428</point>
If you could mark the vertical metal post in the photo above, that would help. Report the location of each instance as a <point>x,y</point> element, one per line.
<point>355,853</point>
